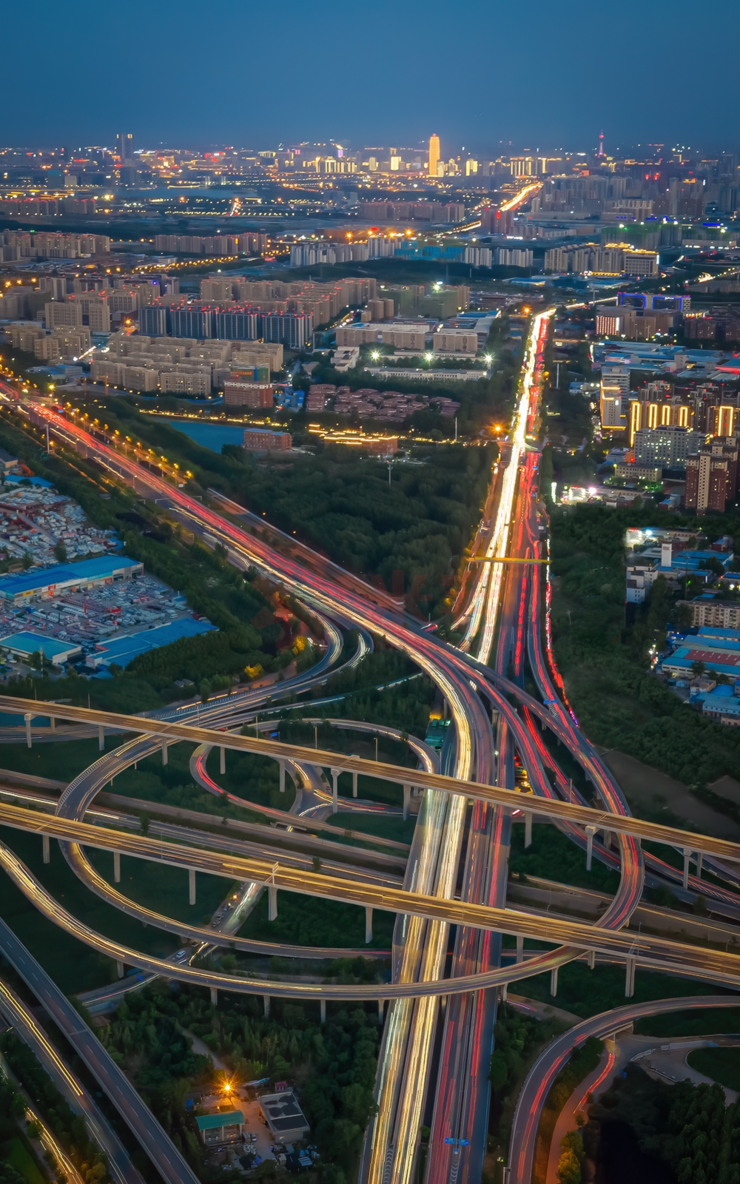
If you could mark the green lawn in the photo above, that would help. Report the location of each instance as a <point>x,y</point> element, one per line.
<point>308,921</point>
<point>17,1154</point>
<point>77,967</point>
<point>375,824</point>
<point>721,1064</point>
<point>589,992</point>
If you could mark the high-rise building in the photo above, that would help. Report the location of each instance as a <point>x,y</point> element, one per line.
<point>711,476</point>
<point>667,446</point>
<point>125,148</point>
<point>434,154</point>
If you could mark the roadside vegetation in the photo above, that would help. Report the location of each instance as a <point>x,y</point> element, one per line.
<point>331,1064</point>
<point>605,661</point>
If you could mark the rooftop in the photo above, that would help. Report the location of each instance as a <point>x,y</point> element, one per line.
<point>33,643</point>
<point>211,1122</point>
<point>65,573</point>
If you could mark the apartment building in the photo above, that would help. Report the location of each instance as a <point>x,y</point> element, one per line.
<point>455,341</point>
<point>409,337</point>
<point>711,475</point>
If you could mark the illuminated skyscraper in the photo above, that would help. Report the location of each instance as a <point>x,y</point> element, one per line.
<point>433,155</point>
<point>125,146</point>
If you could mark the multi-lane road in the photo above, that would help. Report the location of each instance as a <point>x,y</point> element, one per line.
<point>451,906</point>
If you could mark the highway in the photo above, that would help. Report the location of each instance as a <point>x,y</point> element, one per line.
<point>551,1060</point>
<point>27,1027</point>
<point>554,809</point>
<point>447,828</point>
<point>113,1081</point>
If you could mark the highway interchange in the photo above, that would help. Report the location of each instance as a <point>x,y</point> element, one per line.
<point>449,891</point>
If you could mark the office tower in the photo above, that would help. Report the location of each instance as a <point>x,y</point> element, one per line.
<point>434,152</point>
<point>125,148</point>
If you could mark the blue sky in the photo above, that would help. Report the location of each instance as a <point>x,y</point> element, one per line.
<point>480,73</point>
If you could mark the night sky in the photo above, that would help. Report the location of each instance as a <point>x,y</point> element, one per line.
<point>481,73</point>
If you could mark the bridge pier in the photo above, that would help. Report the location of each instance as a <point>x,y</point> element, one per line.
<point>281,766</point>
<point>334,790</point>
<point>687,853</point>
<point>554,981</point>
<point>191,885</point>
<point>406,800</point>
<point>381,1005</point>
<point>119,969</point>
<point>323,1010</point>
<point>222,763</point>
<point>519,947</point>
<point>527,828</point>
<point>590,832</point>
<point>101,739</point>
<point>28,717</point>
<point>116,867</point>
<point>629,981</point>
<point>591,959</point>
<point>272,907</point>
<point>52,723</point>
<point>504,992</point>
<point>164,752</point>
<point>46,848</point>
<point>368,924</point>
<point>214,996</point>
<point>266,1004</point>
<point>354,785</point>
<point>699,863</point>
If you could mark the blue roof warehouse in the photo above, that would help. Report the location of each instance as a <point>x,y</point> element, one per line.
<point>63,577</point>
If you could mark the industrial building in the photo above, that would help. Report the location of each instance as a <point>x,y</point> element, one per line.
<point>64,577</point>
<point>23,645</point>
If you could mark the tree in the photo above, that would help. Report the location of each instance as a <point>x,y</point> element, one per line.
<point>60,552</point>
<point>698,668</point>
<point>27,561</point>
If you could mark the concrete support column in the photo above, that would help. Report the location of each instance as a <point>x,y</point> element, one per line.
<point>116,867</point>
<point>354,785</point>
<point>591,959</point>
<point>46,848</point>
<point>281,766</point>
<point>214,996</point>
<point>519,947</point>
<point>101,739</point>
<point>527,828</point>
<point>699,863</point>
<point>191,885</point>
<point>504,992</point>
<point>334,790</point>
<point>164,752</point>
<point>629,980</point>
<point>590,832</point>
<point>52,723</point>
<point>272,911</point>
<point>266,1004</point>
<point>554,981</point>
<point>119,969</point>
<point>368,924</point>
<point>28,717</point>
<point>687,853</point>
<point>222,764</point>
<point>323,1011</point>
<point>381,1005</point>
<point>406,800</point>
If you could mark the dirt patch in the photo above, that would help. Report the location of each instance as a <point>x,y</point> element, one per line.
<point>648,788</point>
<point>727,787</point>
